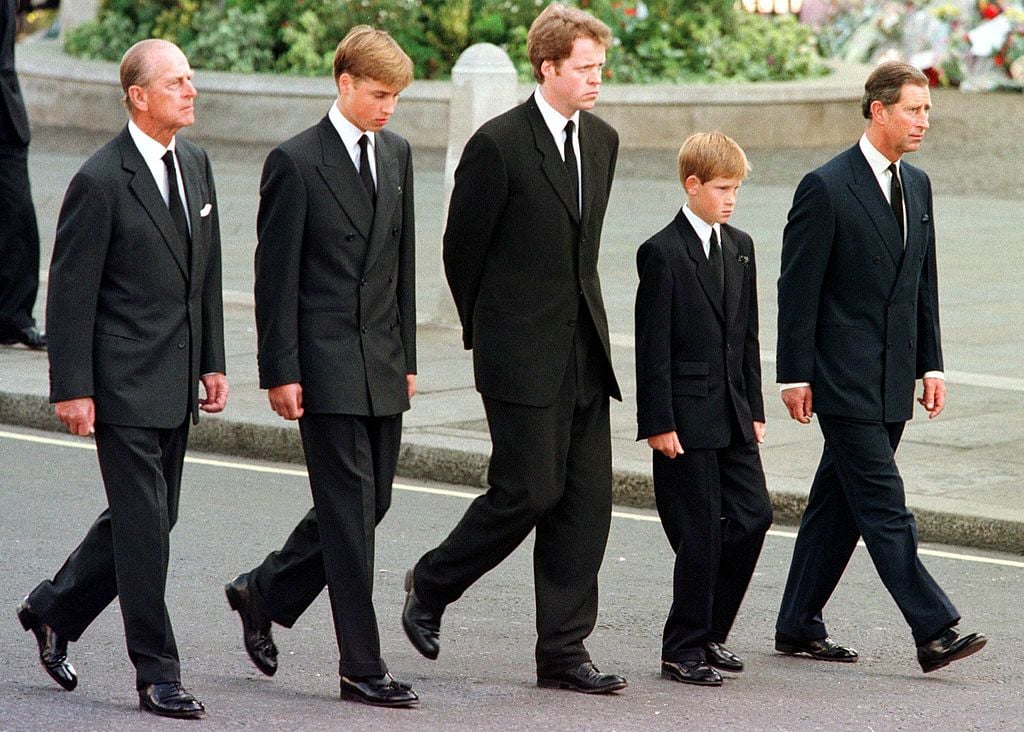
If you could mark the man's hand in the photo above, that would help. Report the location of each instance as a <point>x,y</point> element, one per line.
<point>760,430</point>
<point>410,385</point>
<point>78,415</point>
<point>667,443</point>
<point>216,387</point>
<point>934,397</point>
<point>286,400</point>
<point>799,402</point>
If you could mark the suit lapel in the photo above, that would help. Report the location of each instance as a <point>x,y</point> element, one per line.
<point>194,196</point>
<point>553,166</point>
<point>733,276</point>
<point>866,190</point>
<point>142,185</point>
<point>389,193</point>
<point>342,179</point>
<point>695,250</point>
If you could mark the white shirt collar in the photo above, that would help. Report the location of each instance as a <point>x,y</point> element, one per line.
<point>879,163</point>
<point>554,120</point>
<point>702,228</point>
<point>151,150</point>
<point>349,133</point>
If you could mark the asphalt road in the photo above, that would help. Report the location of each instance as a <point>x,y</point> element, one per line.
<point>234,511</point>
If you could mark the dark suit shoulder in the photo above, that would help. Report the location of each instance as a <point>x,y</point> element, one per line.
<point>301,145</point>
<point>742,239</point>
<point>597,126</point>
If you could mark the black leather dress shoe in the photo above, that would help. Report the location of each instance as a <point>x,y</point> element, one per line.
<point>948,647</point>
<point>422,625</point>
<point>30,336</point>
<point>720,657</point>
<point>691,672</point>
<point>824,649</point>
<point>379,691</point>
<point>53,650</point>
<point>259,642</point>
<point>170,699</point>
<point>585,679</point>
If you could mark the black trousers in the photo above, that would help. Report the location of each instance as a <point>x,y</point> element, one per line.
<point>125,552</point>
<point>858,492</point>
<point>550,470</point>
<point>715,510</point>
<point>19,242</point>
<point>351,462</point>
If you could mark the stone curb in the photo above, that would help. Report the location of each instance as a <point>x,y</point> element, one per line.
<point>466,464</point>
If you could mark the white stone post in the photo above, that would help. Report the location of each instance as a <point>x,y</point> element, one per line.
<point>484,85</point>
<point>76,12</point>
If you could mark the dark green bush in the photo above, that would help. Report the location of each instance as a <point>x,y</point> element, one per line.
<point>660,40</point>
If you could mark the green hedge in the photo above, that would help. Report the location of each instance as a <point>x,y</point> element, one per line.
<point>660,40</point>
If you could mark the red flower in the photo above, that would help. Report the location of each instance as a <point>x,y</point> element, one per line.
<point>631,12</point>
<point>989,10</point>
<point>933,76</point>
<point>998,58</point>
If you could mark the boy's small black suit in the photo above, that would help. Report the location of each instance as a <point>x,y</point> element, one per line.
<point>699,373</point>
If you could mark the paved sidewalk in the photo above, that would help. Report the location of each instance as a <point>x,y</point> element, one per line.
<point>963,471</point>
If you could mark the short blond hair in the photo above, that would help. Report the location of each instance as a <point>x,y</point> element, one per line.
<point>369,53</point>
<point>553,32</point>
<point>710,155</point>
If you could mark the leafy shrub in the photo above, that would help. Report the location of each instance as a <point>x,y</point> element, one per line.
<point>657,40</point>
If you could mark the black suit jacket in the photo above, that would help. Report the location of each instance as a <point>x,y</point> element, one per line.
<point>335,278</point>
<point>520,261</point>
<point>697,365</point>
<point>14,128</point>
<point>858,314</point>
<point>130,322</point>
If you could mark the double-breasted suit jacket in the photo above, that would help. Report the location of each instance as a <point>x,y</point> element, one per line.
<point>858,312</point>
<point>134,317</point>
<point>698,363</point>
<point>335,293</point>
<point>520,261</point>
<point>859,322</point>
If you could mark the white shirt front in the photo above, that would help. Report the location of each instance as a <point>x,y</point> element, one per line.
<point>350,135</point>
<point>703,229</point>
<point>555,123</point>
<point>153,153</point>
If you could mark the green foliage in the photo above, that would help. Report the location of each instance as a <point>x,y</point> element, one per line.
<point>656,40</point>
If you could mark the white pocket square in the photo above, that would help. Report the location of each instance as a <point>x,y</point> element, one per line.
<point>206,210</point>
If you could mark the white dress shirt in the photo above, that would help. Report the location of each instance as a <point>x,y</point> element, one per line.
<point>350,135</point>
<point>556,126</point>
<point>153,153</point>
<point>703,229</point>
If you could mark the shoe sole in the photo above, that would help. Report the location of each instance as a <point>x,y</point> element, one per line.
<point>789,650</point>
<point>355,697</point>
<point>552,684</point>
<point>692,682</point>
<point>171,715</point>
<point>964,652</point>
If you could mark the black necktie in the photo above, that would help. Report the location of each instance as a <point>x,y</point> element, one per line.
<point>364,169</point>
<point>896,198</point>
<point>570,163</point>
<point>715,265</point>
<point>174,199</point>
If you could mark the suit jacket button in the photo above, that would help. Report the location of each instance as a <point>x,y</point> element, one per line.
<point>181,344</point>
<point>365,329</point>
<point>877,260</point>
<point>571,323</point>
<point>362,283</point>
<point>350,237</point>
<point>394,231</point>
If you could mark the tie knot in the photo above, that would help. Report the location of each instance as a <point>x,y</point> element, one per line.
<point>168,158</point>
<point>569,127</point>
<point>363,142</point>
<point>892,169</point>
